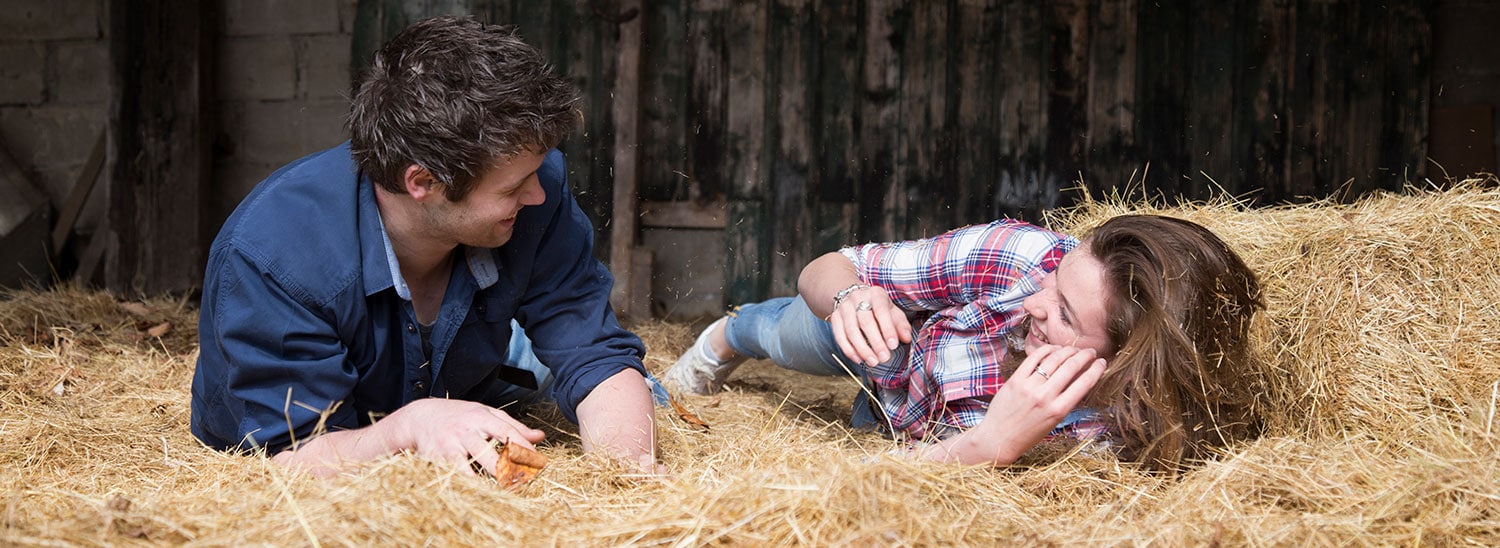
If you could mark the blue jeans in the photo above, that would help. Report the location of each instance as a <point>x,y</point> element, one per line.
<point>786,332</point>
<point>520,355</point>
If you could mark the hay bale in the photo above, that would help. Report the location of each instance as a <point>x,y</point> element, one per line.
<point>1381,313</point>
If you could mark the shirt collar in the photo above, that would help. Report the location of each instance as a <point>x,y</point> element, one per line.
<point>382,270</point>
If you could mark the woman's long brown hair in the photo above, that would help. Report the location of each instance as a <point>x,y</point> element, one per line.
<point>1179,316</point>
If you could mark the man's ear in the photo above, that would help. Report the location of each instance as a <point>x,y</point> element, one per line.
<point>419,183</point>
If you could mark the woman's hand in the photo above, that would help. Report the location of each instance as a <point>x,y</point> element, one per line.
<point>868,326</point>
<point>1047,386</point>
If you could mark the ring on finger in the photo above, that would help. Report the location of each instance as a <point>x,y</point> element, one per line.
<point>863,305</point>
<point>1045,375</point>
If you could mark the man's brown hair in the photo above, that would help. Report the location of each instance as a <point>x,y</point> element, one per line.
<point>455,97</point>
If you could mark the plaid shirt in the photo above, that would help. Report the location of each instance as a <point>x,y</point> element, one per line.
<point>969,282</point>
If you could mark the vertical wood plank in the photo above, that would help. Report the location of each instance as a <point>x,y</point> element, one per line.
<point>1314,21</point>
<point>586,58</point>
<point>748,235</point>
<point>664,102</point>
<point>1260,113</point>
<point>836,92</point>
<point>1161,106</point>
<point>1022,121</point>
<point>977,74</point>
<point>1067,98</point>
<point>924,184</point>
<point>1364,99</point>
<point>879,116</point>
<point>623,221</point>
<point>161,91</point>
<point>1110,138</point>
<point>1304,120</point>
<point>792,60</point>
<point>708,91</point>
<point>1210,97</point>
<point>595,143</point>
<point>836,138</point>
<point>1408,62</point>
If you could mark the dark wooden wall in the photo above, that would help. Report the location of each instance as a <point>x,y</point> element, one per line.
<point>811,124</point>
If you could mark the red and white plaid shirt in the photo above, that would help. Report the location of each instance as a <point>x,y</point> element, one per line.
<point>972,281</point>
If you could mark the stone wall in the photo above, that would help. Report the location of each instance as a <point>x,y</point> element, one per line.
<point>282,79</point>
<point>54,88</point>
<point>283,86</point>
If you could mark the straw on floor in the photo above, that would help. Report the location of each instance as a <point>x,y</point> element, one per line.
<point>1378,371</point>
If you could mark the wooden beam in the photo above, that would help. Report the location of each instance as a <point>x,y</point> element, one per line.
<point>82,188</point>
<point>626,106</point>
<point>161,76</point>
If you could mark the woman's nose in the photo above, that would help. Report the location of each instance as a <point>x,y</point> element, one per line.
<point>1033,305</point>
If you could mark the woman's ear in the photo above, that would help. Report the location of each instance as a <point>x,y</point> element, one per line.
<point>419,183</point>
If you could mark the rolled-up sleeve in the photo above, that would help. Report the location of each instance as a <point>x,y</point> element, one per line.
<point>566,309</point>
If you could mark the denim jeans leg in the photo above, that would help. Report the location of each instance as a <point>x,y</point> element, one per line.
<point>786,332</point>
<point>518,354</point>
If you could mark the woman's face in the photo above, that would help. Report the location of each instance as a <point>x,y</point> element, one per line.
<point>1069,309</point>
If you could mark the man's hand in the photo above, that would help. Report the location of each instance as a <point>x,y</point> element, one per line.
<point>455,431</point>
<point>440,430</point>
<point>1044,389</point>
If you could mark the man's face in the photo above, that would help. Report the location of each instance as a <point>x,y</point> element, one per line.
<point>486,217</point>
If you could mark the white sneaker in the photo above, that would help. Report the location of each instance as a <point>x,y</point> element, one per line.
<point>698,371</point>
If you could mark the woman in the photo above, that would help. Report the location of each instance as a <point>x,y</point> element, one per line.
<point>1136,338</point>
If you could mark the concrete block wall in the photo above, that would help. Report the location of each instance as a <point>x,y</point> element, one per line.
<point>54,82</point>
<point>282,75</point>
<point>283,86</point>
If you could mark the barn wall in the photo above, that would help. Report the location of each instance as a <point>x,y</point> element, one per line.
<point>816,123</point>
<point>801,125</point>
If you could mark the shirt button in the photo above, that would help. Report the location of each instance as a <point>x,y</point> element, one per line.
<point>480,308</point>
<point>411,328</point>
<point>421,385</point>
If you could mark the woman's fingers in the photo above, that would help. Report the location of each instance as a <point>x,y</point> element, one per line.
<point>836,321</point>
<point>869,326</point>
<point>1081,385</point>
<point>1034,359</point>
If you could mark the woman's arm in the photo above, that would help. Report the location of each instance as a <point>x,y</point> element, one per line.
<point>866,324</point>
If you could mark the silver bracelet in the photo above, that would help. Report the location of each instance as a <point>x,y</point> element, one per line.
<point>844,293</point>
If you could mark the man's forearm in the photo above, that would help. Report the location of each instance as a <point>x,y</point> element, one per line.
<point>618,419</point>
<point>329,453</point>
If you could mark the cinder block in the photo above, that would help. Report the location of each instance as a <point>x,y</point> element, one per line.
<point>257,68</point>
<point>262,17</point>
<point>323,66</point>
<point>21,74</point>
<point>51,19</point>
<point>82,72</point>
<point>51,140</point>
<point>347,11</point>
<point>277,132</point>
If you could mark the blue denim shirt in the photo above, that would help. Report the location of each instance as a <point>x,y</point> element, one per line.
<point>304,311</point>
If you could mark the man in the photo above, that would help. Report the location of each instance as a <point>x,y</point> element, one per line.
<point>363,301</point>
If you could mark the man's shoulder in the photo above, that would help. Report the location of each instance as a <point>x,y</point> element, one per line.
<point>300,226</point>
